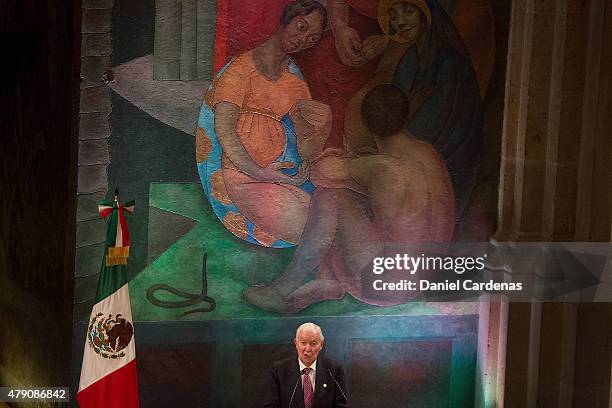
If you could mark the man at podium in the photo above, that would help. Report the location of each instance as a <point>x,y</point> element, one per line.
<point>308,381</point>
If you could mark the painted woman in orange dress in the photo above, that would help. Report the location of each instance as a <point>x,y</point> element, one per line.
<point>257,131</point>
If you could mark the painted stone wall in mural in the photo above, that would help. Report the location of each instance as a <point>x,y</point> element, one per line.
<point>328,134</point>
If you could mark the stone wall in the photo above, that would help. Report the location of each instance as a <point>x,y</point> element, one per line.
<point>93,159</point>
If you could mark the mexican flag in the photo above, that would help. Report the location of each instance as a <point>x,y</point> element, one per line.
<point>108,373</point>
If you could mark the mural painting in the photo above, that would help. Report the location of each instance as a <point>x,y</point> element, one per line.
<point>281,146</point>
<point>399,165</point>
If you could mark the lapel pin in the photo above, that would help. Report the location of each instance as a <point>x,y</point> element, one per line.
<point>324,385</point>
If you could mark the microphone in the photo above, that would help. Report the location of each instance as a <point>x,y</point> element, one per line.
<point>339,387</point>
<point>295,387</point>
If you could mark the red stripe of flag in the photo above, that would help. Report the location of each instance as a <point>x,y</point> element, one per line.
<point>117,390</point>
<point>106,212</point>
<point>125,234</point>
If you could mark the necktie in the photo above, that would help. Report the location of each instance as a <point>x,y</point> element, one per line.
<point>307,386</point>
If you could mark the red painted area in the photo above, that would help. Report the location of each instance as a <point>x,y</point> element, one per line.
<point>223,21</point>
<point>242,24</point>
<point>117,390</point>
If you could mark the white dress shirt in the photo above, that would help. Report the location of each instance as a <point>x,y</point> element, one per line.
<point>311,374</point>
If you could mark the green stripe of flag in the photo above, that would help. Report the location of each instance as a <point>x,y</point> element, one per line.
<point>112,278</point>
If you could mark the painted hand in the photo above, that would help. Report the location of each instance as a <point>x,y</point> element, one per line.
<point>272,173</point>
<point>302,174</point>
<point>317,114</point>
<point>348,46</point>
<point>374,46</point>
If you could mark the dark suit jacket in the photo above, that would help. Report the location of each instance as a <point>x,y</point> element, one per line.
<point>285,374</point>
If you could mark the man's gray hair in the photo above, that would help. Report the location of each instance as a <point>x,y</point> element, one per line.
<point>310,326</point>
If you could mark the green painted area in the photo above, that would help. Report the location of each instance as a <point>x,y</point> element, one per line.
<point>232,266</point>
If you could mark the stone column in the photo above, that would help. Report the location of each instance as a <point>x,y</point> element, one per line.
<point>491,364</point>
<point>184,39</point>
<point>167,47</point>
<point>555,182</point>
<point>555,173</point>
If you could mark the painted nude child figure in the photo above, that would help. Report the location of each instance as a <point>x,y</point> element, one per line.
<point>402,194</point>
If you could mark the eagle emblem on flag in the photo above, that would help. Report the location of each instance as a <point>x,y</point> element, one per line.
<point>109,334</point>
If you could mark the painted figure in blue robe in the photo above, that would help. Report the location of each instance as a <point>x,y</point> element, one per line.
<point>423,54</point>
